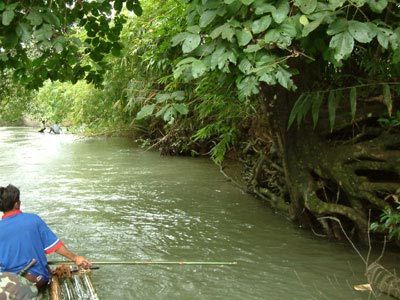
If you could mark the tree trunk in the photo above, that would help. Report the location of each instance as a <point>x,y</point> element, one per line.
<point>351,172</point>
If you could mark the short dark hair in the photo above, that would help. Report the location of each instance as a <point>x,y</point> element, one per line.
<point>8,197</point>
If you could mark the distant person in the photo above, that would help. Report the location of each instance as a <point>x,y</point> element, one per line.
<point>25,240</point>
<point>56,129</point>
<point>43,128</point>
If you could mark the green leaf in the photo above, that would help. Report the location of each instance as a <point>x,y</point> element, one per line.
<point>296,110</point>
<point>343,44</point>
<point>198,68</point>
<point>2,5</point>
<point>169,114</point>
<point>387,98</point>
<point>306,6</point>
<point>353,102</point>
<point>137,9</point>
<point>333,101</point>
<point>377,5</point>
<point>23,31</point>
<point>361,32</point>
<point>244,37</point>
<point>192,41</point>
<point>228,33</point>
<point>284,78</point>
<point>51,18</point>
<point>247,2</point>
<point>272,36</point>
<point>35,18</point>
<point>245,66</point>
<point>383,35</point>
<point>7,17</point>
<point>281,12</point>
<point>58,47</point>
<point>247,86</point>
<point>44,33</point>
<point>262,8</point>
<point>207,17</point>
<point>261,24</point>
<point>145,112</point>
<point>338,26</point>
<point>178,95</point>
<point>316,104</point>
<point>181,108</point>
<point>179,38</point>
<point>334,4</point>
<point>252,48</point>
<point>162,97</point>
<point>194,29</point>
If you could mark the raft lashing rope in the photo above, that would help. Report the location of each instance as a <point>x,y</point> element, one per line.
<point>70,283</point>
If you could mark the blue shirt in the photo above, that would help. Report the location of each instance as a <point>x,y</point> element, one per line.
<point>25,236</point>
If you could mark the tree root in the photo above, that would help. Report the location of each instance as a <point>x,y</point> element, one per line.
<point>383,280</point>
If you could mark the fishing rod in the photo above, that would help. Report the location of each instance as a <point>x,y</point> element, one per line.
<point>213,263</point>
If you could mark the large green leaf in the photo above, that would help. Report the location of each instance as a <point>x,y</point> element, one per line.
<point>306,6</point>
<point>191,42</point>
<point>7,17</point>
<point>35,18</point>
<point>179,38</point>
<point>207,17</point>
<point>343,44</point>
<point>272,36</point>
<point>338,26</point>
<point>45,32</point>
<point>145,112</point>
<point>181,108</point>
<point>252,48</point>
<point>243,36</point>
<point>245,66</point>
<point>51,18</point>
<point>23,31</point>
<point>281,12</point>
<point>284,78</point>
<point>361,32</point>
<point>377,5</point>
<point>383,35</point>
<point>198,68</point>
<point>261,24</point>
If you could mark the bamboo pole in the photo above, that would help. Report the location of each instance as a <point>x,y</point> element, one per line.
<point>213,263</point>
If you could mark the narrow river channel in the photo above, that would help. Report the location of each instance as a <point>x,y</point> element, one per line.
<point>107,199</point>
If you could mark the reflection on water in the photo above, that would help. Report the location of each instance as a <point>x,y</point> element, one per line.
<point>109,200</point>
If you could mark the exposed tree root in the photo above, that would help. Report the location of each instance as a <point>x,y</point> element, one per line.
<point>383,280</point>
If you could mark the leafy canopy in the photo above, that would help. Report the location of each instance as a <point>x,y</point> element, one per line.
<point>261,41</point>
<point>37,41</point>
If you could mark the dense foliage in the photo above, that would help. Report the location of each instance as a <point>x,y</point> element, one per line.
<point>37,39</point>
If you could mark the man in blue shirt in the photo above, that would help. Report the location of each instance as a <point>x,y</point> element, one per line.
<point>25,237</point>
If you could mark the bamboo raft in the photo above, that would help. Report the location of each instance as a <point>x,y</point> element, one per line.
<point>68,283</point>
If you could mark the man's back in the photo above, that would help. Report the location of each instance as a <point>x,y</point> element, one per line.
<point>25,236</point>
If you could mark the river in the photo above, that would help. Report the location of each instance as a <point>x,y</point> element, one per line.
<point>108,199</point>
